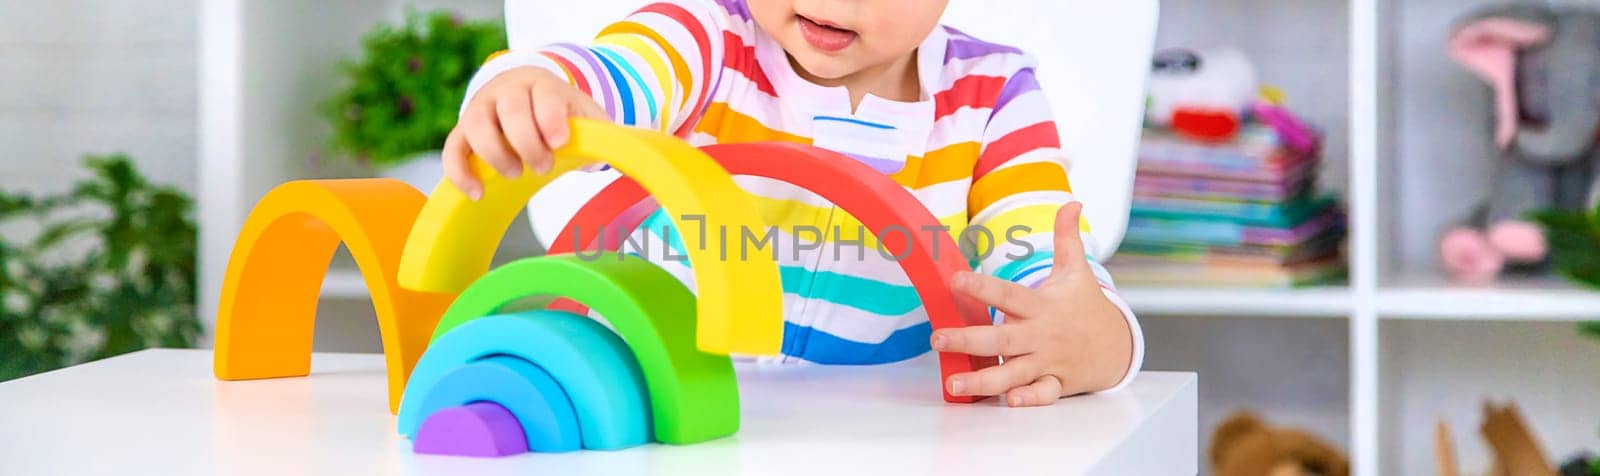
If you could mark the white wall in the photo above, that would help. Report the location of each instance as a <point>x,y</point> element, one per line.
<point>467,8</point>
<point>304,40</point>
<point>291,54</point>
<point>86,76</point>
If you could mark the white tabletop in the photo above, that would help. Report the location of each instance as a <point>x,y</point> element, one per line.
<point>162,412</point>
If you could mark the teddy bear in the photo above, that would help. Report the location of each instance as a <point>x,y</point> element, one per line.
<point>1244,445</point>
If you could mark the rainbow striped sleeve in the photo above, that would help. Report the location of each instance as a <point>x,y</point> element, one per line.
<point>656,68</point>
<point>1018,185</point>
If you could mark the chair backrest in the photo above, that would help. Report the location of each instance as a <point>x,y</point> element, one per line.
<point>1094,57</point>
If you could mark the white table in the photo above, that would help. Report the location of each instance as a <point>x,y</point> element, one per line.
<point>162,412</point>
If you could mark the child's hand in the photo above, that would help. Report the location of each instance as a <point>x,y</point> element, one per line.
<point>1062,339</point>
<point>514,120</point>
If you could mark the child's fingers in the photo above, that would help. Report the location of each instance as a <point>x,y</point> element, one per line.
<point>550,110</point>
<point>585,107</point>
<point>1011,298</point>
<point>515,108</point>
<point>1042,392</point>
<point>994,380</point>
<point>484,135</point>
<point>457,166</point>
<point>1069,250</point>
<point>987,341</point>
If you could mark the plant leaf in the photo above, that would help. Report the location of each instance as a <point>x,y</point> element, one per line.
<point>1591,329</point>
<point>1574,245</point>
<point>72,299</point>
<point>55,233</point>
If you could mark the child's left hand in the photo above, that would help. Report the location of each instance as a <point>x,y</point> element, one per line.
<point>1063,338</point>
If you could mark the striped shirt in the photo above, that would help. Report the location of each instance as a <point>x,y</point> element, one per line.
<point>979,149</point>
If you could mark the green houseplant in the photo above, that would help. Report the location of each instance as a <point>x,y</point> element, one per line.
<point>401,99</point>
<point>110,270</point>
<point>1574,239</point>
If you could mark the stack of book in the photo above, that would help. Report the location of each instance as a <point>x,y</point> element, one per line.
<point>1241,213</point>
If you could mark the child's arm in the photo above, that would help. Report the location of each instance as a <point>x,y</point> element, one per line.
<point>655,69</point>
<point>1065,328</point>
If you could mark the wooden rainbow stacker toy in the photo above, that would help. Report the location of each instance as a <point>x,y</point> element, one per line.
<point>468,379</point>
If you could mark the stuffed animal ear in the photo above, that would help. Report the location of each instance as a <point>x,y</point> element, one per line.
<point>1241,424</point>
<point>1488,46</point>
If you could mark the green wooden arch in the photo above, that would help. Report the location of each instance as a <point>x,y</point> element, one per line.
<point>694,396</point>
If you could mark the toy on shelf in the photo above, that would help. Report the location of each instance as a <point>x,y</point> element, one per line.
<point>1246,446</point>
<point>1514,448</point>
<point>1212,95</point>
<point>1541,63</point>
<point>468,378</point>
<point>1296,135</point>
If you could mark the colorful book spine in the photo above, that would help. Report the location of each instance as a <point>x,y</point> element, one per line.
<point>1277,215</point>
<point>1229,233</point>
<point>1162,185</point>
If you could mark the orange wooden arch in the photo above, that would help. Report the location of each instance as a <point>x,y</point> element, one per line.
<point>268,308</point>
<point>880,203</point>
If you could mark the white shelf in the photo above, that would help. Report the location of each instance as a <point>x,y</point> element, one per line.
<point>1543,299</point>
<point>1316,302</point>
<point>1415,297</point>
<point>1426,297</point>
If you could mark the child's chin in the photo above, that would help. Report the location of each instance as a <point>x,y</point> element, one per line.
<point>822,66</point>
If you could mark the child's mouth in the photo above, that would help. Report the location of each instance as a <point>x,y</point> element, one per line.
<point>825,36</point>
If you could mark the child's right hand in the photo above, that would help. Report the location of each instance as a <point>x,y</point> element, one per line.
<point>515,120</point>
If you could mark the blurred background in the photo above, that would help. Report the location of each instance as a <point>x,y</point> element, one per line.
<point>1283,247</point>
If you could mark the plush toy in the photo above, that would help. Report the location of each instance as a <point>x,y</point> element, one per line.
<point>1516,452</point>
<point>1201,94</point>
<point>1543,65</point>
<point>1245,446</point>
<point>1295,134</point>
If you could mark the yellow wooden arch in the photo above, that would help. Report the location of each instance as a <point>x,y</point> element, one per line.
<point>268,307</point>
<point>739,296</point>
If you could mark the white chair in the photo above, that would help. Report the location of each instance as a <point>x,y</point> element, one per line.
<point>1094,57</point>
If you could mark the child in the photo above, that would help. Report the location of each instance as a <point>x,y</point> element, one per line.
<point>959,122</point>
